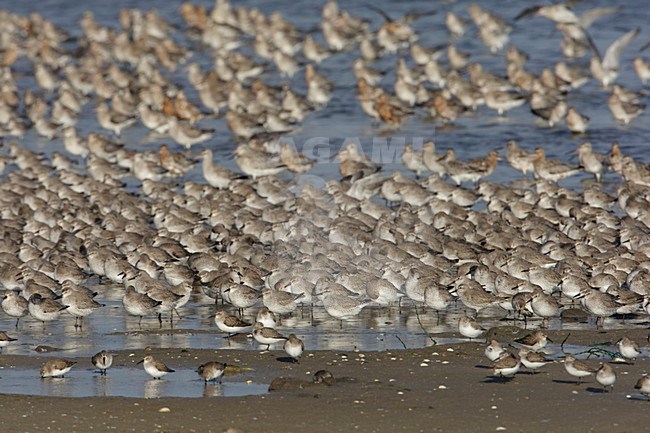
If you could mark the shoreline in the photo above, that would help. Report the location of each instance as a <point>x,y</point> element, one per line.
<point>375,391</point>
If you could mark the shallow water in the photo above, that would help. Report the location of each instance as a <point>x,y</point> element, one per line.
<point>122,382</point>
<point>374,329</point>
<point>340,122</point>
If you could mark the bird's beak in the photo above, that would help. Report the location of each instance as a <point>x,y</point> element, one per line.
<point>140,362</point>
<point>548,339</point>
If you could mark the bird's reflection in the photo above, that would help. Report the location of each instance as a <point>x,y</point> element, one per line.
<point>213,390</point>
<point>57,387</point>
<point>154,388</point>
<point>102,386</point>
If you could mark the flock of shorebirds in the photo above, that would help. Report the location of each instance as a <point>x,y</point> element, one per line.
<point>210,371</point>
<point>530,355</point>
<point>254,238</point>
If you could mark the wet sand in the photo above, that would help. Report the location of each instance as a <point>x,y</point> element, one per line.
<point>385,391</point>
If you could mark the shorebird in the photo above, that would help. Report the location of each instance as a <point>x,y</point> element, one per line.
<point>533,360</point>
<point>364,72</point>
<point>155,368</point>
<point>391,110</point>
<point>573,27</point>
<point>628,348</point>
<point>266,318</point>
<point>139,304</point>
<point>186,134</point>
<point>590,161</point>
<point>431,159</point>
<point>475,297</point>
<point>353,161</point>
<point>383,292</point>
<point>15,305</point>
<point>413,160</point>
<point>169,301</point>
<point>576,122</point>
<point>643,385</point>
<point>472,170</point>
<point>241,296</point>
<point>550,169</point>
<point>319,89</point>
<point>599,304</point>
<point>606,376</point>
<point>5,340</point>
<point>80,304</point>
<point>493,350</point>
<point>280,302</point>
<point>56,367</point>
<point>544,305</point>
<point>324,376</point>
<point>469,328</point>
<point>502,101</point>
<point>212,371</point>
<point>314,51</point>
<point>175,163</point>
<point>295,161</point>
<point>642,69</point>
<point>577,368</point>
<point>574,76</point>
<point>112,120</point>
<point>342,306</point>
<point>437,298</point>
<point>44,309</point>
<point>535,341</point>
<point>394,34</point>
<point>216,175</point>
<point>606,69</point>
<point>268,336</point>
<point>230,324</point>
<point>519,158</point>
<point>551,114</point>
<point>256,163</point>
<point>103,361</point>
<point>294,347</point>
<point>456,26</point>
<point>623,111</point>
<point>458,60</point>
<point>506,364</point>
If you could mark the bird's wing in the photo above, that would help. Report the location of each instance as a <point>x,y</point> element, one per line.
<point>588,18</point>
<point>613,53</point>
<point>527,12</point>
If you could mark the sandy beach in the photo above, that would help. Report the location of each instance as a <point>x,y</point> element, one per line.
<point>444,388</point>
